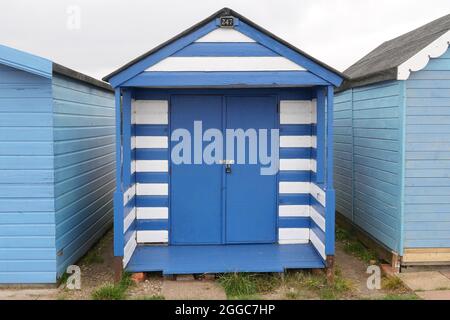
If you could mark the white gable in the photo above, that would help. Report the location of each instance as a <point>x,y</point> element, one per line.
<point>225,35</point>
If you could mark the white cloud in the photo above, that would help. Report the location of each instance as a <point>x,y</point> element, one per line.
<point>113,32</point>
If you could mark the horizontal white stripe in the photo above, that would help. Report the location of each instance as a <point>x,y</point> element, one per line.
<point>152,189</point>
<point>314,142</point>
<point>129,194</point>
<point>295,164</point>
<point>295,142</point>
<point>133,142</point>
<point>225,64</point>
<point>296,112</point>
<point>153,213</point>
<point>152,142</point>
<point>151,111</point>
<point>313,165</point>
<point>152,166</point>
<point>294,187</point>
<point>133,166</point>
<point>225,35</point>
<point>293,211</point>
<point>320,247</point>
<point>129,249</point>
<point>318,193</point>
<point>293,235</point>
<point>153,236</point>
<point>129,219</point>
<point>313,111</point>
<point>318,219</point>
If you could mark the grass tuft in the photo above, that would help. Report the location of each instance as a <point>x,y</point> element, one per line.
<point>393,284</point>
<point>354,247</point>
<point>409,296</point>
<point>114,291</point>
<point>154,297</point>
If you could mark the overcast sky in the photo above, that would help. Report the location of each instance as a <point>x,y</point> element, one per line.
<point>112,32</point>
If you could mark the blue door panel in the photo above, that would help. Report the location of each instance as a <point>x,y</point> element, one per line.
<point>250,197</point>
<point>196,197</point>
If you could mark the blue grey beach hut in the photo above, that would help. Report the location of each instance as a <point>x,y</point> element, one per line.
<point>392,146</point>
<point>56,166</point>
<point>227,73</point>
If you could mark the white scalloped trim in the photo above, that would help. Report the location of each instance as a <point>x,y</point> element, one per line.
<point>419,61</point>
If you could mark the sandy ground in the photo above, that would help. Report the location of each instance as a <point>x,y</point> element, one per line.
<point>96,272</point>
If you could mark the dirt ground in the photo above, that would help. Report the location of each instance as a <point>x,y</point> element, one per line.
<point>97,282</point>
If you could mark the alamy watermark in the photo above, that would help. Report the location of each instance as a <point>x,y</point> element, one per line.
<point>207,147</point>
<point>73,21</point>
<point>74,280</point>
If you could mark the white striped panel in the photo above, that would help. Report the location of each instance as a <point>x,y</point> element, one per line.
<point>129,194</point>
<point>153,213</point>
<point>152,142</point>
<point>153,236</point>
<point>295,164</point>
<point>296,112</point>
<point>320,247</point>
<point>129,249</point>
<point>129,219</point>
<point>314,142</point>
<point>133,142</point>
<point>152,165</point>
<point>318,219</point>
<point>318,193</point>
<point>293,211</point>
<point>133,166</point>
<point>313,165</point>
<point>151,111</point>
<point>152,189</point>
<point>294,187</point>
<point>295,142</point>
<point>206,64</point>
<point>225,35</point>
<point>293,235</point>
<point>313,111</point>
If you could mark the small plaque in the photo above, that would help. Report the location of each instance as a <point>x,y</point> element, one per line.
<point>227,22</point>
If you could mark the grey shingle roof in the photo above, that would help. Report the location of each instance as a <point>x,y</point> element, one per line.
<point>381,64</point>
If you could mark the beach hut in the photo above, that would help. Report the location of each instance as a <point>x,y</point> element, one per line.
<point>56,166</point>
<point>392,146</point>
<point>180,207</point>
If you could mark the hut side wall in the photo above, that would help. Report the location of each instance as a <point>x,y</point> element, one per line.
<point>368,160</point>
<point>427,173</point>
<point>84,144</point>
<point>27,219</point>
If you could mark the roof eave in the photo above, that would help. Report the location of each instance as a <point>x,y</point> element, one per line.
<point>385,75</point>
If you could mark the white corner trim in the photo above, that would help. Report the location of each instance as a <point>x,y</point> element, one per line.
<point>419,61</point>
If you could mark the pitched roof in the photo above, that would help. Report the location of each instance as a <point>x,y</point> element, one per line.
<point>381,64</point>
<point>221,13</point>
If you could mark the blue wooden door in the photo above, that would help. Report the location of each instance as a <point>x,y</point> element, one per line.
<point>196,195</point>
<point>207,204</point>
<point>250,197</point>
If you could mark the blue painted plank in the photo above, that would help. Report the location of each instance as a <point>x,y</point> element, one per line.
<point>150,130</point>
<point>152,154</point>
<point>152,177</point>
<point>152,224</point>
<point>152,201</point>
<point>293,199</point>
<point>301,176</point>
<point>225,79</point>
<point>295,153</point>
<point>295,130</point>
<point>225,49</point>
<point>294,222</point>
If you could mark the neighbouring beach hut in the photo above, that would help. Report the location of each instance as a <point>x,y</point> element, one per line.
<point>224,73</point>
<point>56,166</point>
<point>392,146</point>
